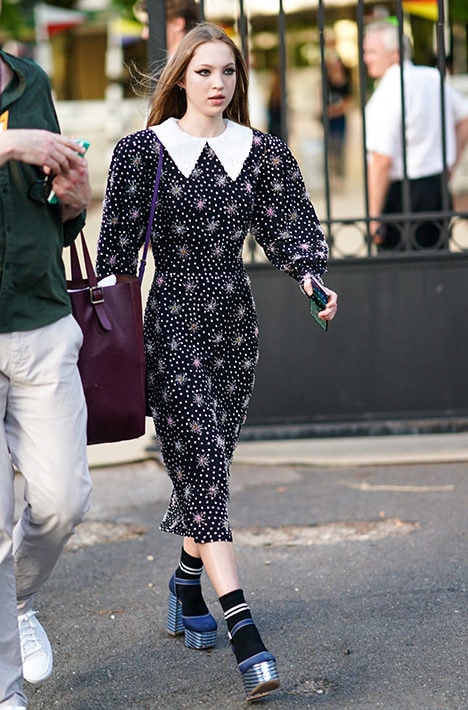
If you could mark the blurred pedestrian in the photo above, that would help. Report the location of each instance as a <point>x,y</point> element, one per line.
<point>423,134</point>
<point>221,180</point>
<point>274,106</point>
<point>338,79</point>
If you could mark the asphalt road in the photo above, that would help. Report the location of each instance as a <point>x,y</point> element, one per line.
<point>356,576</point>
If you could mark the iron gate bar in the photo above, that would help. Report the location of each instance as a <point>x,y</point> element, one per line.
<point>406,184</point>
<point>440,34</point>
<point>362,104</point>
<point>243,31</point>
<point>325,122</point>
<point>157,34</point>
<point>283,73</point>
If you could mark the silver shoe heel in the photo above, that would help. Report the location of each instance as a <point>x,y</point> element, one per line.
<point>175,624</point>
<point>260,678</point>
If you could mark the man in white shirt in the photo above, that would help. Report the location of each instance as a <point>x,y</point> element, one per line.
<point>423,136</point>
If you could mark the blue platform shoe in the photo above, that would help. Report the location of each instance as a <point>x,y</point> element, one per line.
<point>259,672</point>
<point>259,675</point>
<point>200,631</point>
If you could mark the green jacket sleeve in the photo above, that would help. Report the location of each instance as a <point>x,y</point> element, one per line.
<point>72,228</point>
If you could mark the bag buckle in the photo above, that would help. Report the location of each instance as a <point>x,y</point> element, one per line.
<point>96,295</point>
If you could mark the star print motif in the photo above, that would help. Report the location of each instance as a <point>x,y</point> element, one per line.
<point>213,491</point>
<point>212,226</point>
<point>221,180</point>
<point>201,332</point>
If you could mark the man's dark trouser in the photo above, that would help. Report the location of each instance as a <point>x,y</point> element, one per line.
<point>426,196</point>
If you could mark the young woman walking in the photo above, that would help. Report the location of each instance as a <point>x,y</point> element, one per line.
<point>221,180</point>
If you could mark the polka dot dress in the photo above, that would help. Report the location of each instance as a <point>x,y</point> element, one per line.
<point>201,332</point>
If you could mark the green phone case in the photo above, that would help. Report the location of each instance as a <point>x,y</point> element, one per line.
<point>317,303</point>
<point>53,197</point>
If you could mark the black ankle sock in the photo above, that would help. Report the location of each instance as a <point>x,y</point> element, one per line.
<point>246,640</point>
<point>191,597</point>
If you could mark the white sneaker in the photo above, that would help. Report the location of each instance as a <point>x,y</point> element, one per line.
<point>35,648</point>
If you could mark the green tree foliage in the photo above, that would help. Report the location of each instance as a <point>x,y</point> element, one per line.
<point>458,11</point>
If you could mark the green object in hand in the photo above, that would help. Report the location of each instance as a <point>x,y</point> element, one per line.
<point>52,199</point>
<point>318,302</point>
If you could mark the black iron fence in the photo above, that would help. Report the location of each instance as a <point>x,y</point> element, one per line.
<point>242,16</point>
<point>393,359</point>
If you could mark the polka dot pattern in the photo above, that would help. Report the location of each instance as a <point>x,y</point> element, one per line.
<point>201,331</point>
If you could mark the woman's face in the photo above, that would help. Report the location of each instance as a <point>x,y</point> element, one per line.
<point>210,79</point>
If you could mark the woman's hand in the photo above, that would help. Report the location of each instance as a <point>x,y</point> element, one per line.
<point>331,308</point>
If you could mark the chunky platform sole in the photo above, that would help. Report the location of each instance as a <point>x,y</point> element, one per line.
<point>199,638</point>
<point>260,679</point>
<point>175,624</point>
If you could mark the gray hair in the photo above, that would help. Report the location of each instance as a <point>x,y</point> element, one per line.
<point>389,34</point>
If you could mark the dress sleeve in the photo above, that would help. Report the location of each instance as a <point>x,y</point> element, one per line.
<point>284,220</point>
<point>127,203</point>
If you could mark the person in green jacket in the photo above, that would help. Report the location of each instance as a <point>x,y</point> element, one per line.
<point>43,410</point>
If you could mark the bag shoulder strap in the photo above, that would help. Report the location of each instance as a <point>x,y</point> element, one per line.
<point>152,211</point>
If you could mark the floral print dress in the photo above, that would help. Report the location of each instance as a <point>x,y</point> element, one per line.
<point>201,332</point>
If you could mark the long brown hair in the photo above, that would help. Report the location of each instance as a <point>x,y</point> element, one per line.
<point>169,99</point>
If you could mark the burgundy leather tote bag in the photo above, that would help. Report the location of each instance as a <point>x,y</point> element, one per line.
<point>112,357</point>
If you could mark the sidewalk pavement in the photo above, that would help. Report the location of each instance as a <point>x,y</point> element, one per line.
<point>342,451</point>
<point>352,554</point>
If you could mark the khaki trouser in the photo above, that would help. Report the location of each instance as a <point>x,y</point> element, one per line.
<point>43,411</point>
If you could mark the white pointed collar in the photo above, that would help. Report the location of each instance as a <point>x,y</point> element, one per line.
<point>231,147</point>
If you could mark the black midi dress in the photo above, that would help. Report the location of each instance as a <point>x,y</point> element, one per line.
<point>201,331</point>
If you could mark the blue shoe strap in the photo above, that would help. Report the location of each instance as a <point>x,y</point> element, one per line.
<point>253,660</point>
<point>200,617</point>
<point>200,624</point>
<point>187,582</point>
<point>240,625</point>
<point>184,582</point>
